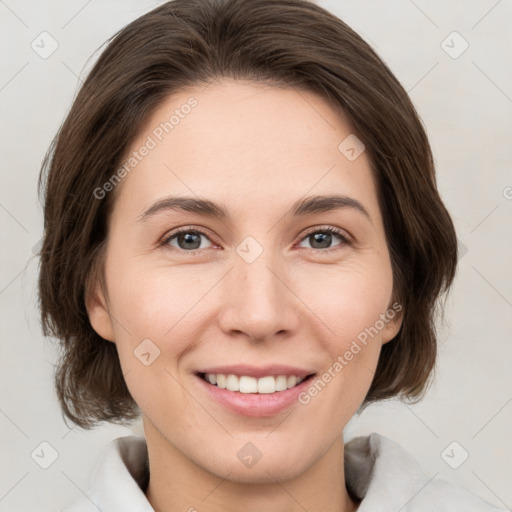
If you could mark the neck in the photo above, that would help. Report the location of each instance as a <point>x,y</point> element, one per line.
<point>178,483</point>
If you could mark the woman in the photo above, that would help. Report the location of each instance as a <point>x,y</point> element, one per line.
<point>270,138</point>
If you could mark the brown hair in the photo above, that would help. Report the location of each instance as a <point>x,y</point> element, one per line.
<point>291,43</point>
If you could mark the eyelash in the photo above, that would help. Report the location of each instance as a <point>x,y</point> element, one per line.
<point>345,240</point>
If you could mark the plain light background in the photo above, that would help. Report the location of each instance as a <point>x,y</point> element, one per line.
<point>465,101</point>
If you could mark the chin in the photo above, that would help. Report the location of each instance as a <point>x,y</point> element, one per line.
<point>260,474</point>
<point>280,466</point>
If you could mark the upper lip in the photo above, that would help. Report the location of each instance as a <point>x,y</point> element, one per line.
<point>258,371</point>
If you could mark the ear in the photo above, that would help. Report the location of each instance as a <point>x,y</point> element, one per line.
<point>394,324</point>
<point>99,316</point>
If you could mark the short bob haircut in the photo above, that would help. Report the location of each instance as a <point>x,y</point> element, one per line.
<point>285,43</point>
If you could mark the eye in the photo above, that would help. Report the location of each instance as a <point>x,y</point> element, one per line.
<point>322,238</point>
<point>187,239</point>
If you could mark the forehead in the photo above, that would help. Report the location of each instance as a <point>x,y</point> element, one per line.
<point>246,143</point>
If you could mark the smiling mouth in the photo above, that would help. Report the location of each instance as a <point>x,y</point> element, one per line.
<point>251,385</point>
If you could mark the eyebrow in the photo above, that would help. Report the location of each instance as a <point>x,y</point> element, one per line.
<point>207,208</point>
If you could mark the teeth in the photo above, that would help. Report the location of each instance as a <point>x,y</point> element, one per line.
<point>246,384</point>
<point>249,385</point>
<point>221,380</point>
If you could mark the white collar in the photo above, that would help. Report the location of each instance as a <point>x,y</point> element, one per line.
<point>377,470</point>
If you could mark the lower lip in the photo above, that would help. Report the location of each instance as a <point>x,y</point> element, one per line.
<point>255,404</point>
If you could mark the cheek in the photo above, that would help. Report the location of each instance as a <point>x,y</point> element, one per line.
<point>350,302</point>
<point>163,304</point>
<point>347,298</point>
<point>154,321</point>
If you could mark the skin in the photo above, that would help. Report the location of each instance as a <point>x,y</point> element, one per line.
<point>256,149</point>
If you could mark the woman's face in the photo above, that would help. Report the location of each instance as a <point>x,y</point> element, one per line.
<point>263,285</point>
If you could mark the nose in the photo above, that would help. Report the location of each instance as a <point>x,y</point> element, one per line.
<point>258,301</point>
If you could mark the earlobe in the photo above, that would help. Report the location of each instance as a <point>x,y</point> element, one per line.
<point>99,316</point>
<point>392,328</point>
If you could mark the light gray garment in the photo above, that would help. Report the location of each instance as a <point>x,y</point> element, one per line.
<point>377,470</point>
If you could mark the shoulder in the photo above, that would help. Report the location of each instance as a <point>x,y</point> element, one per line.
<point>386,477</point>
<point>119,479</point>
